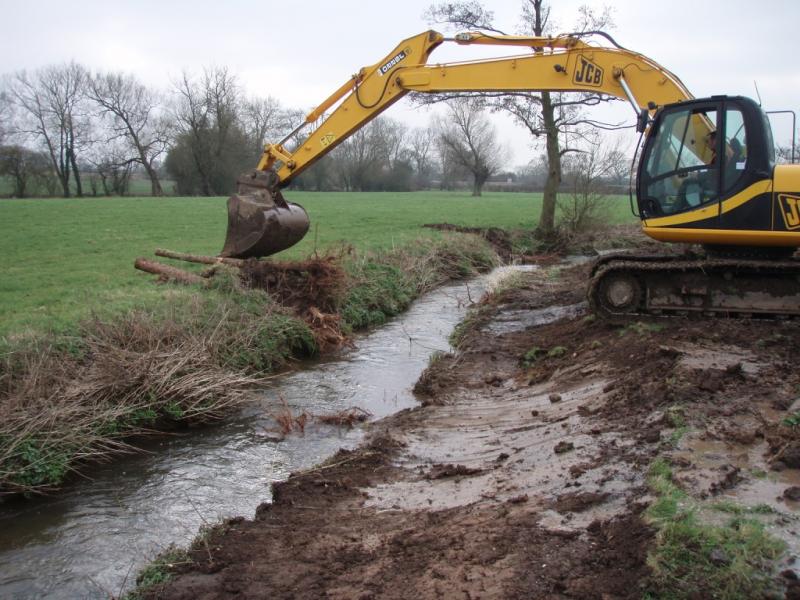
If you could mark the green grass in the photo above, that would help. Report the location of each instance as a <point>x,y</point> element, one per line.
<point>693,559</point>
<point>64,257</point>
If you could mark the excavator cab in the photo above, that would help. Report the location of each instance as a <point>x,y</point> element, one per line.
<point>706,174</point>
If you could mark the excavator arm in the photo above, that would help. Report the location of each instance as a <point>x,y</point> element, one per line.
<point>261,222</point>
<point>560,64</point>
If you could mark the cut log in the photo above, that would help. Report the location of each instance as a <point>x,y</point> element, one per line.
<point>167,273</point>
<point>197,258</point>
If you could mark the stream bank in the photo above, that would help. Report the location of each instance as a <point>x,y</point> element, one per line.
<point>73,399</point>
<point>90,540</point>
<point>575,459</point>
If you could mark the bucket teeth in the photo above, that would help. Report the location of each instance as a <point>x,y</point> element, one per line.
<point>260,221</point>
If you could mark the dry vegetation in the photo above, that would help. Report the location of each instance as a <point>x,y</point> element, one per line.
<point>68,400</point>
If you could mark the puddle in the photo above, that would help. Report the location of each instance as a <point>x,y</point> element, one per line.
<point>721,357</point>
<point>519,320</point>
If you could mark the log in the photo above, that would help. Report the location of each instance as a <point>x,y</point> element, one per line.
<point>167,272</point>
<point>197,258</point>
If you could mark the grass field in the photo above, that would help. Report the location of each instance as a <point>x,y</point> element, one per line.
<point>65,258</point>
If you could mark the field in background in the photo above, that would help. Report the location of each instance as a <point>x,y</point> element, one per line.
<point>65,257</point>
<point>138,186</point>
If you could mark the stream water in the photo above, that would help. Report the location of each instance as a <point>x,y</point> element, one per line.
<point>89,541</point>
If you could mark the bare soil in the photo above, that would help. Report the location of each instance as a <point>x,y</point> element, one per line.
<point>523,474</point>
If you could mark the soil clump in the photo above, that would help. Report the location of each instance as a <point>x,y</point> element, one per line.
<point>491,489</point>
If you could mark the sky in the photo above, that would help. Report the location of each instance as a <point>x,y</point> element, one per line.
<point>299,52</point>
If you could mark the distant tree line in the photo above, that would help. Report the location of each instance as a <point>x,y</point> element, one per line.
<point>68,131</point>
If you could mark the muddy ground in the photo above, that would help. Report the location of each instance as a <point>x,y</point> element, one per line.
<point>524,473</point>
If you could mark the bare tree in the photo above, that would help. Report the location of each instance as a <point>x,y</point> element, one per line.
<point>132,109</point>
<point>470,141</point>
<point>51,114</point>
<point>112,167</point>
<point>263,120</point>
<point>210,146</point>
<point>420,151</point>
<point>589,176</point>
<point>361,157</point>
<point>544,114</point>
<point>5,115</point>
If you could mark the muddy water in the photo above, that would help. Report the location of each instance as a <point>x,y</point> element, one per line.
<point>90,540</point>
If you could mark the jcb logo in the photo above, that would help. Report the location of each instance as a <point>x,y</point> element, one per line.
<point>588,73</point>
<point>790,209</point>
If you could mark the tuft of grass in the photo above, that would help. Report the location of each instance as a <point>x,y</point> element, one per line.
<point>692,559</point>
<point>728,506</point>
<point>792,421</point>
<point>677,435</point>
<point>532,355</point>
<point>436,357</point>
<point>676,416</point>
<point>536,354</point>
<point>159,571</point>
<point>641,328</point>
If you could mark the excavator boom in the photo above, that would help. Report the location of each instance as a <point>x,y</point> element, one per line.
<point>261,223</point>
<point>563,63</point>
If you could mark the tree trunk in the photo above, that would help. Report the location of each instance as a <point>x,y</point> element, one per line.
<point>547,226</point>
<point>63,177</point>
<point>196,258</point>
<point>480,178</point>
<point>78,185</point>
<point>155,184</point>
<point>167,272</point>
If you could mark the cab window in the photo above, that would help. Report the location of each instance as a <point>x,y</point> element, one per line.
<point>681,172</point>
<point>735,154</point>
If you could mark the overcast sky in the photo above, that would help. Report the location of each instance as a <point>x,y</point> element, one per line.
<point>299,52</point>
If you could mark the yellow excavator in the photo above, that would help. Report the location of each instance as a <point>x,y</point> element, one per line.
<point>706,175</point>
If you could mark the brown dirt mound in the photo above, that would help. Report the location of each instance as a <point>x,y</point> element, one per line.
<point>313,283</point>
<point>312,288</point>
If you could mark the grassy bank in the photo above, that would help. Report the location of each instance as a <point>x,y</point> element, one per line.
<point>76,396</point>
<point>65,258</point>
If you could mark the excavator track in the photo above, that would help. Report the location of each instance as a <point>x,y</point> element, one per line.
<point>625,286</point>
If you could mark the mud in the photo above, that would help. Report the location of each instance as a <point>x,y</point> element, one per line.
<point>311,288</point>
<point>523,475</point>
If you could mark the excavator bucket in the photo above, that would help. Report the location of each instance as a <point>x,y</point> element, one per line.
<point>260,221</point>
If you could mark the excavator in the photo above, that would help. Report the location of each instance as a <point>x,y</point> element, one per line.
<point>706,175</point>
